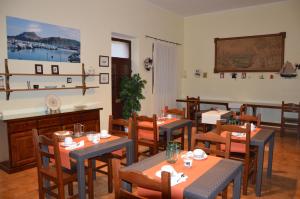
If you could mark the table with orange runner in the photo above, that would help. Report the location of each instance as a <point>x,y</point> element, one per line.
<point>64,153</point>
<point>260,137</point>
<point>206,178</point>
<point>167,126</point>
<point>91,150</point>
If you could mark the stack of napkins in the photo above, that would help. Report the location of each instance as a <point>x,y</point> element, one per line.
<point>176,178</point>
<point>75,146</point>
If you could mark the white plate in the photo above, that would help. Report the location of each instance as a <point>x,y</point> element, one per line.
<point>53,102</point>
<point>67,145</point>
<point>200,158</point>
<point>237,134</point>
<point>105,136</point>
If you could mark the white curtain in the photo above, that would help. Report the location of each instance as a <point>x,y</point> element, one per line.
<point>165,76</point>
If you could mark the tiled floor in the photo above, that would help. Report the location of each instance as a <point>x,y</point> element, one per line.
<point>283,184</point>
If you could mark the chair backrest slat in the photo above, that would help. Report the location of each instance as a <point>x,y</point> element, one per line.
<point>175,111</point>
<point>140,180</point>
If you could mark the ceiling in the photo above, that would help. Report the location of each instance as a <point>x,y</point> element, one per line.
<point>195,7</point>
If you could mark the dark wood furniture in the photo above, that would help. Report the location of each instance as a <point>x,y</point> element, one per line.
<point>18,134</point>
<point>116,127</point>
<point>250,119</point>
<point>216,140</point>
<point>180,114</point>
<point>247,156</point>
<point>288,122</point>
<point>140,180</point>
<point>146,135</point>
<point>9,90</point>
<point>54,172</point>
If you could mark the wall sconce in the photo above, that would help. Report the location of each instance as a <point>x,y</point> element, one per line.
<point>148,63</point>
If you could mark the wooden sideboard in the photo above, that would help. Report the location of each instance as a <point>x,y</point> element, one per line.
<point>18,133</point>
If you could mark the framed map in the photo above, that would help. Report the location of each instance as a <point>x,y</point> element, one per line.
<point>259,53</point>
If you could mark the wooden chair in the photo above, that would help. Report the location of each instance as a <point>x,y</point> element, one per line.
<point>193,106</point>
<point>250,119</point>
<point>214,147</point>
<point>243,109</point>
<point>54,171</point>
<point>288,122</point>
<point>146,133</point>
<point>180,114</point>
<point>240,150</point>
<point>140,180</point>
<point>117,128</point>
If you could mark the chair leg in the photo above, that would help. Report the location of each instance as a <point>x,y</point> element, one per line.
<point>61,190</point>
<point>245,178</point>
<point>70,189</point>
<point>41,191</point>
<point>109,176</point>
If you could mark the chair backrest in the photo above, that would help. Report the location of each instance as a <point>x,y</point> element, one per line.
<point>140,180</point>
<point>151,125</point>
<point>175,111</point>
<point>117,127</point>
<point>193,106</point>
<point>214,139</point>
<point>235,128</point>
<point>290,108</point>
<point>243,109</point>
<point>251,119</point>
<point>43,156</point>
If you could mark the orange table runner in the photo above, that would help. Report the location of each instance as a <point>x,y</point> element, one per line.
<point>64,154</point>
<point>238,147</point>
<point>199,167</point>
<point>145,134</point>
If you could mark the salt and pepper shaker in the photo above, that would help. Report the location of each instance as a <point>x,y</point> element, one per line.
<point>28,85</point>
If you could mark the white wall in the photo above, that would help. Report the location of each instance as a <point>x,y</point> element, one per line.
<point>199,52</point>
<point>97,20</point>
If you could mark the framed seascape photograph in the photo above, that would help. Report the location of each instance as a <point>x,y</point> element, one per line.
<point>103,61</point>
<point>258,53</point>
<point>104,78</point>
<point>69,80</point>
<point>54,69</point>
<point>34,40</point>
<point>38,69</point>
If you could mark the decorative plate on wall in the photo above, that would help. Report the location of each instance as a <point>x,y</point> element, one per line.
<point>53,102</point>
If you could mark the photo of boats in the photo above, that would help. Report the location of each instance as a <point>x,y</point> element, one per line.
<point>32,40</point>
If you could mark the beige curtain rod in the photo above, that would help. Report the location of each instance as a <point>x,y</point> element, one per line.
<point>147,36</point>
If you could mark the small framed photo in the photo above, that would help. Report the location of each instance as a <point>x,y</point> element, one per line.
<point>244,75</point>
<point>222,75</point>
<point>54,69</point>
<point>38,69</point>
<point>103,61</point>
<point>69,80</point>
<point>104,78</point>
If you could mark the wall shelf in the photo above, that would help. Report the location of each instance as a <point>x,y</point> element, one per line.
<point>8,90</point>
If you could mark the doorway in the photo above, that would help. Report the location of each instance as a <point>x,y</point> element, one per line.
<point>121,67</point>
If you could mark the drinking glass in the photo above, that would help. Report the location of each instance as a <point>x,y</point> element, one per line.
<point>172,152</point>
<point>78,129</point>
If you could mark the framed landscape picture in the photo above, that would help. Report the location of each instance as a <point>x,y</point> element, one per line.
<point>259,53</point>
<point>104,78</point>
<point>103,61</point>
<point>33,40</point>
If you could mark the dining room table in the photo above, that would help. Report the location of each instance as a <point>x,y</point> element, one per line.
<point>205,179</point>
<point>168,127</point>
<point>91,150</point>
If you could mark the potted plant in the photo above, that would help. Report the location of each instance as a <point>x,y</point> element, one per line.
<point>131,94</point>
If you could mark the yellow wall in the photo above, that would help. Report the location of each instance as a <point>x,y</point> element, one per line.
<point>97,20</point>
<point>199,34</point>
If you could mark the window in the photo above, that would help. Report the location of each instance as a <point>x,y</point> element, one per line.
<point>120,49</point>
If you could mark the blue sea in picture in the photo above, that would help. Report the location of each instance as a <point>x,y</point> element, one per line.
<point>31,40</point>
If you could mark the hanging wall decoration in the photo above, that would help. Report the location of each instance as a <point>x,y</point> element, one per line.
<point>258,53</point>
<point>32,40</point>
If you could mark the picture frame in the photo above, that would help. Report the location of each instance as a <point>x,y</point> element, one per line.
<point>69,80</point>
<point>38,69</point>
<point>103,61</point>
<point>103,78</point>
<point>54,69</point>
<point>256,53</point>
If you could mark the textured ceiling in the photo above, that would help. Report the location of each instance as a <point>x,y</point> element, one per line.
<point>195,7</point>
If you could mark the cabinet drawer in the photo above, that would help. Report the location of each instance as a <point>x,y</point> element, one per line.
<point>24,125</point>
<point>71,118</point>
<point>92,115</point>
<point>51,121</point>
